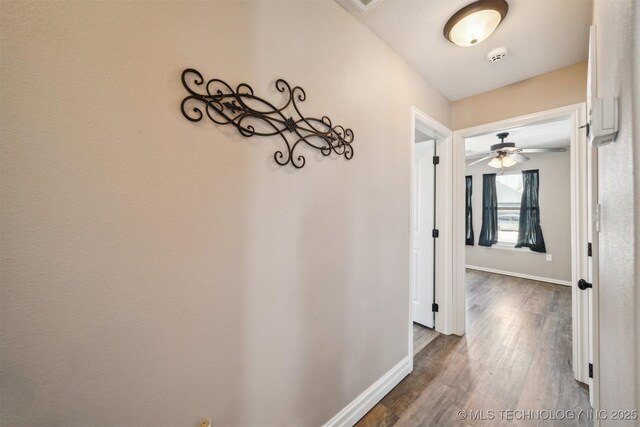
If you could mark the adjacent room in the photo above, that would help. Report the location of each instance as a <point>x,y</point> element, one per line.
<point>534,160</point>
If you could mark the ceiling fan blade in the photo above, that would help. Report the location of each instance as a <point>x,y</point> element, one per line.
<point>479,160</point>
<point>478,155</point>
<point>543,150</point>
<point>518,157</point>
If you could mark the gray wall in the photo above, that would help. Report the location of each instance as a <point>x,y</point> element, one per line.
<point>618,194</point>
<point>555,219</point>
<point>157,271</point>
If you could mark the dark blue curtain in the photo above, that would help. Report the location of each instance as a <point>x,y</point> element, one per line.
<point>469,210</point>
<point>489,231</point>
<point>530,233</point>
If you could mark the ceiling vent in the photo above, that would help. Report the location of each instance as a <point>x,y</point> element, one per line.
<point>497,54</point>
<point>361,6</point>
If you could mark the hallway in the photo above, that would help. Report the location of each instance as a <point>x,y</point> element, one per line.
<point>516,355</point>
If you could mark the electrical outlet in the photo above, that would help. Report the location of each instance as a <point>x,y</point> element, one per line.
<point>549,257</point>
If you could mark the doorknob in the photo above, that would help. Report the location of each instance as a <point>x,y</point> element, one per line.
<point>583,284</point>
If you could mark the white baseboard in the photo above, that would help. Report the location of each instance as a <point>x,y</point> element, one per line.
<point>522,276</point>
<point>362,404</point>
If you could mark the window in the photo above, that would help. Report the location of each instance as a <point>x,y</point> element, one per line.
<point>469,210</point>
<point>509,194</point>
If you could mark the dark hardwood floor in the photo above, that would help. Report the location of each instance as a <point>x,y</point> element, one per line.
<point>516,355</point>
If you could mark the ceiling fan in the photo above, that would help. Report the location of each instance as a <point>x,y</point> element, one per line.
<point>505,154</point>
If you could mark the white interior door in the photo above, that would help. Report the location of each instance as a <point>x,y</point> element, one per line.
<point>423,242</point>
<point>592,267</point>
<point>592,233</point>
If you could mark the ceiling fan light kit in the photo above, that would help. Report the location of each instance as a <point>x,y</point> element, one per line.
<point>502,162</point>
<point>475,22</point>
<point>496,163</point>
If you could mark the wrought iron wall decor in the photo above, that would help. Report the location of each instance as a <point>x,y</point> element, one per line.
<point>252,115</point>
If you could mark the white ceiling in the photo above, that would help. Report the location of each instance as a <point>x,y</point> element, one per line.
<point>545,135</point>
<point>541,35</point>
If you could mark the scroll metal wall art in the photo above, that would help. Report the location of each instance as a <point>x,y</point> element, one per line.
<point>252,115</point>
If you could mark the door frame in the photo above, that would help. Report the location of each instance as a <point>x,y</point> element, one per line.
<point>443,288</point>
<point>580,223</point>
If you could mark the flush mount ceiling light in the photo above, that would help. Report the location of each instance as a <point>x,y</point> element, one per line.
<point>475,22</point>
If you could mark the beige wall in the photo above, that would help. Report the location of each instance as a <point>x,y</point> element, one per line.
<point>555,220</point>
<point>618,195</point>
<point>157,271</point>
<point>558,88</point>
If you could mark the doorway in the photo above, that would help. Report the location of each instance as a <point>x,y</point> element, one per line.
<point>423,226</point>
<point>430,222</point>
<point>579,223</point>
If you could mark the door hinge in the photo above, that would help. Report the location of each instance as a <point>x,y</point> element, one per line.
<point>589,249</point>
<point>436,160</point>
<point>590,370</point>
<point>588,126</point>
<point>435,233</point>
<point>434,307</point>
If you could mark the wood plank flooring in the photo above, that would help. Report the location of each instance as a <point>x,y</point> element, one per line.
<point>422,336</point>
<point>516,355</point>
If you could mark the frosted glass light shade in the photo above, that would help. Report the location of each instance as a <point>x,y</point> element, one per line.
<point>475,22</point>
<point>496,162</point>
<point>507,162</point>
<point>502,162</point>
<point>474,28</point>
